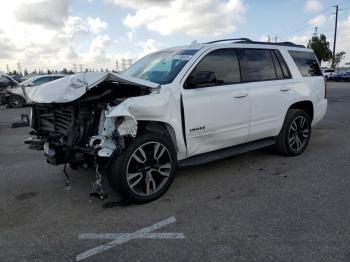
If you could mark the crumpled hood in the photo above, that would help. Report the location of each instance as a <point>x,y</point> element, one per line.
<point>72,87</point>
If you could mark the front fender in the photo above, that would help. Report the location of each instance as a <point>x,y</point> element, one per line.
<point>154,107</point>
<point>162,107</point>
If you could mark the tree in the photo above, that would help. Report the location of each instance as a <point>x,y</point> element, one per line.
<point>338,58</point>
<point>320,45</point>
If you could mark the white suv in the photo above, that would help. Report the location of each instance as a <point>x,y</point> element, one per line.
<point>178,107</point>
<point>328,73</point>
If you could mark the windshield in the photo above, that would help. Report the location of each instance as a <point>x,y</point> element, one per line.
<point>161,67</point>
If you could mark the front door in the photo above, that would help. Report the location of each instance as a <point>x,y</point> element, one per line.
<point>216,112</point>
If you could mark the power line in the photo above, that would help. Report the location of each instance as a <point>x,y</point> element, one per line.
<point>291,28</point>
<point>308,26</point>
<point>301,26</point>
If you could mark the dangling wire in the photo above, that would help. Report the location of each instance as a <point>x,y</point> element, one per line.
<point>97,187</point>
<point>67,187</point>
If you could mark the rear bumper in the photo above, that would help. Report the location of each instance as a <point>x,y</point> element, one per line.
<point>319,111</point>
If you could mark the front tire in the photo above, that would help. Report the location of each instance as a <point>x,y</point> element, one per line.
<point>145,169</point>
<point>16,101</point>
<point>295,134</point>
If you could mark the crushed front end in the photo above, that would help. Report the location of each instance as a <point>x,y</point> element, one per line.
<point>79,132</point>
<point>64,131</point>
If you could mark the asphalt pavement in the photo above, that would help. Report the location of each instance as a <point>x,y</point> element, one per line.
<point>257,206</point>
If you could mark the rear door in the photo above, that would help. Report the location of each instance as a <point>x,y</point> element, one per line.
<point>216,114</point>
<point>266,75</point>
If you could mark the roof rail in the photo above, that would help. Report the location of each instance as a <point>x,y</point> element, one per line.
<point>229,39</point>
<point>248,41</point>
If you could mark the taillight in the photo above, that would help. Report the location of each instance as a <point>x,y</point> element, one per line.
<point>325,89</point>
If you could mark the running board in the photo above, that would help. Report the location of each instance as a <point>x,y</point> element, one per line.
<point>226,152</point>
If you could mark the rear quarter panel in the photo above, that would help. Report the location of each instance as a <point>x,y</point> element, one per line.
<point>311,88</point>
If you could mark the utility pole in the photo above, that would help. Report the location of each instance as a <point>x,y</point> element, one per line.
<point>335,33</point>
<point>268,39</point>
<point>19,68</point>
<point>123,64</point>
<point>276,39</point>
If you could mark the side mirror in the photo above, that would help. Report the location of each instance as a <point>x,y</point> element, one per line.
<point>201,78</point>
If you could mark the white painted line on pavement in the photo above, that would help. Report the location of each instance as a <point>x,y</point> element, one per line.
<point>117,235</point>
<point>120,238</point>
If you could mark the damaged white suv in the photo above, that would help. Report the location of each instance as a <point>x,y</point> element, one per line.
<point>178,107</point>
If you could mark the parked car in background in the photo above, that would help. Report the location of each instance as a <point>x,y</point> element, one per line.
<point>5,81</point>
<point>16,94</point>
<point>18,78</point>
<point>343,76</point>
<point>328,73</point>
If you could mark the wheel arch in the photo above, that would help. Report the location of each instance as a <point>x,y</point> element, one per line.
<point>305,105</point>
<point>158,127</point>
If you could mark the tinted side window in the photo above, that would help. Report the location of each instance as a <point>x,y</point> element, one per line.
<point>56,77</point>
<point>257,65</point>
<point>224,63</point>
<point>278,68</point>
<point>42,80</point>
<point>306,63</point>
<point>283,64</point>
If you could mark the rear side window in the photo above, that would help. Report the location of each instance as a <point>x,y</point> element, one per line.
<point>257,65</point>
<point>306,63</point>
<point>224,63</point>
<point>279,72</point>
<point>283,64</point>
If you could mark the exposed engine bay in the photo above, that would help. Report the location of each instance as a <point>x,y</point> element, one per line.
<point>76,120</point>
<point>92,119</point>
<point>72,132</point>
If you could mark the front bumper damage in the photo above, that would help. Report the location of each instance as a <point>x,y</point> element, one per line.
<point>89,130</point>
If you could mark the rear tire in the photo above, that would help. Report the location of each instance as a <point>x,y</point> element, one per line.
<point>295,133</point>
<point>145,169</point>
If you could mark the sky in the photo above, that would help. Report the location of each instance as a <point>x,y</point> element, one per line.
<point>94,34</point>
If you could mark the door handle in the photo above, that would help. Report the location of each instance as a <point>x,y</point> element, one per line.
<point>241,95</point>
<point>285,89</point>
